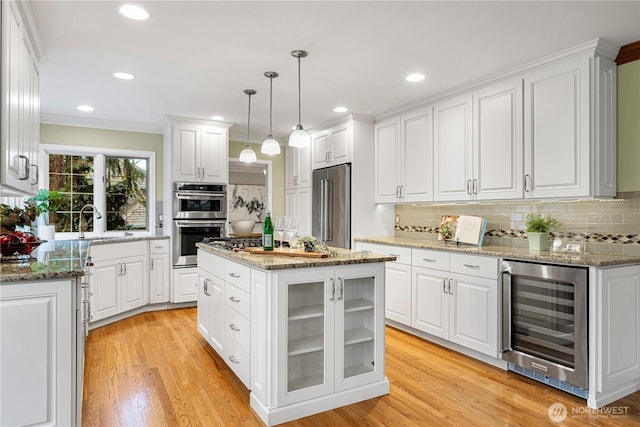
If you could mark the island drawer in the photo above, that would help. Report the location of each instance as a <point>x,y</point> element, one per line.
<point>237,274</point>
<point>237,299</point>
<point>430,259</point>
<point>238,326</point>
<point>237,358</point>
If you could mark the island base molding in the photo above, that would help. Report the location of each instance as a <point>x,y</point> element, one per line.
<point>283,414</point>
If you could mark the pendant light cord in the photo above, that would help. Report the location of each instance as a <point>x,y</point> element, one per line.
<point>299,103</point>
<point>249,120</point>
<point>270,104</point>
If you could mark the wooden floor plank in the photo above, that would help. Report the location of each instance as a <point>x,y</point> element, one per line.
<point>155,369</point>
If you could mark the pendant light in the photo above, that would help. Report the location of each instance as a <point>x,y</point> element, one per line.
<point>270,145</point>
<point>299,137</point>
<point>248,155</point>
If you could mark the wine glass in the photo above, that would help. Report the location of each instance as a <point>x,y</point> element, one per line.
<point>291,228</point>
<point>279,226</point>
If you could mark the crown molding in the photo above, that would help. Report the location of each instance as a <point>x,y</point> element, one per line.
<point>628,53</point>
<point>90,122</point>
<point>598,46</point>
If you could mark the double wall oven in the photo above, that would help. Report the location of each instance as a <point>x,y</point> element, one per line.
<point>545,322</point>
<point>199,213</point>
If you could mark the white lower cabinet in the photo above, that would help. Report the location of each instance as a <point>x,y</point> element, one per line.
<point>616,347</point>
<point>397,279</point>
<point>119,283</point>
<point>38,357</point>
<point>447,295</point>
<point>458,302</point>
<point>159,271</point>
<point>185,284</point>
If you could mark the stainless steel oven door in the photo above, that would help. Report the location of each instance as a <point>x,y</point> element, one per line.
<point>545,319</point>
<point>192,201</point>
<point>186,233</point>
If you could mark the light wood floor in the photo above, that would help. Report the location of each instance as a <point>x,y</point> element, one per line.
<point>155,369</point>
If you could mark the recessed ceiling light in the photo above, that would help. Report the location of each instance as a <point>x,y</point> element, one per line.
<point>416,77</point>
<point>216,118</point>
<point>123,76</point>
<point>134,12</point>
<point>85,108</point>
<point>341,109</point>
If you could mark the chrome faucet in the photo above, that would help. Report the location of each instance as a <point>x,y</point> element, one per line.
<point>95,211</point>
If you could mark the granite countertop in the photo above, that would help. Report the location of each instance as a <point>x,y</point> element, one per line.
<point>277,262</point>
<point>573,258</point>
<point>55,259</point>
<point>59,259</point>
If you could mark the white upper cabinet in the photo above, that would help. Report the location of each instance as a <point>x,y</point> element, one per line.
<point>452,148</point>
<point>569,129</point>
<point>544,130</point>
<point>404,158</point>
<point>20,93</point>
<point>297,167</point>
<point>199,152</point>
<point>497,141</point>
<point>332,146</point>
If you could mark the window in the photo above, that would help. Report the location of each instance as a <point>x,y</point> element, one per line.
<point>119,183</point>
<point>72,176</point>
<point>126,191</point>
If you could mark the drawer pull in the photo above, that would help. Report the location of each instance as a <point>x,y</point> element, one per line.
<point>233,360</point>
<point>428,259</point>
<point>234,275</point>
<point>234,299</point>
<point>234,328</point>
<point>395,255</point>
<point>474,267</point>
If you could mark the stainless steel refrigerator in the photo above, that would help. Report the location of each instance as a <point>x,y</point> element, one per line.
<point>331,205</point>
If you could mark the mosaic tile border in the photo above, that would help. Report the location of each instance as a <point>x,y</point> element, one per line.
<point>623,239</point>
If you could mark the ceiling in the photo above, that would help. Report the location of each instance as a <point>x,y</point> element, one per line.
<point>194,59</point>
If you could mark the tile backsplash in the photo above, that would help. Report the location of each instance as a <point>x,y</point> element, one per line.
<point>600,226</point>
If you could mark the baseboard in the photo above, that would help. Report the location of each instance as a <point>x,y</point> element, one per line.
<point>599,400</point>
<point>139,310</point>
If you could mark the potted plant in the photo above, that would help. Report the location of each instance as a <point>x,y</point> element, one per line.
<point>46,201</point>
<point>538,229</point>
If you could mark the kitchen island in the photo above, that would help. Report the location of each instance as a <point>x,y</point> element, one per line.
<point>304,335</point>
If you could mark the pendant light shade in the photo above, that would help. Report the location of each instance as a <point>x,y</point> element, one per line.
<point>270,145</point>
<point>299,137</point>
<point>248,155</point>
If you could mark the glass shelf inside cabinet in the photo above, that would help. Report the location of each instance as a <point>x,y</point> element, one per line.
<point>305,335</point>
<point>359,326</point>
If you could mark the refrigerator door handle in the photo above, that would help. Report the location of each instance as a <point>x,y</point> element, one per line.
<point>329,211</point>
<point>322,209</point>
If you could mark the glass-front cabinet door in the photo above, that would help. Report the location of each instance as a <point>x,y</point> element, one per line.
<point>305,335</point>
<point>327,323</point>
<point>359,356</point>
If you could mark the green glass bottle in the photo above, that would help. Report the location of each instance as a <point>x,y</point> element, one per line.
<point>267,233</point>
